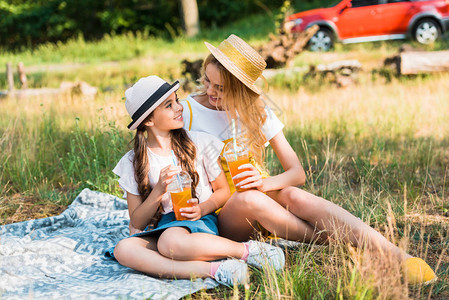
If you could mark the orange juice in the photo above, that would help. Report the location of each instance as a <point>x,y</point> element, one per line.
<point>179,200</point>
<point>234,169</point>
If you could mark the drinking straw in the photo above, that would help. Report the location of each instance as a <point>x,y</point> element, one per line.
<point>234,138</point>
<point>176,164</point>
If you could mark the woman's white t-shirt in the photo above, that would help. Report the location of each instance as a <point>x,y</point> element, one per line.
<point>208,150</point>
<point>216,122</point>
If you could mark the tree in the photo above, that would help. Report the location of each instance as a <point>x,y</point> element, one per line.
<point>190,17</point>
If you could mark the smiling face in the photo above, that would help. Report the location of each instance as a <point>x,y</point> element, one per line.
<point>214,85</point>
<point>168,115</point>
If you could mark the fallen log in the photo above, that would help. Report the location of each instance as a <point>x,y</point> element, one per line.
<point>21,94</point>
<point>80,88</point>
<point>416,62</point>
<point>413,62</point>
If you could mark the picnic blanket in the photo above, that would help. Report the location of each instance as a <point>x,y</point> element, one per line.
<point>62,257</point>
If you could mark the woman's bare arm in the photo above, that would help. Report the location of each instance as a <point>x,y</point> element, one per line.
<point>293,174</point>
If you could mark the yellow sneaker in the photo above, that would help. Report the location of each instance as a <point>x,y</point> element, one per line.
<point>417,271</point>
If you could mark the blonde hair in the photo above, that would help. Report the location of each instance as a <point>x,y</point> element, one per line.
<point>239,100</point>
<point>182,146</point>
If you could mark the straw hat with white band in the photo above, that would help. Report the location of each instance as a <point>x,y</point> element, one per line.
<point>240,59</point>
<point>145,96</point>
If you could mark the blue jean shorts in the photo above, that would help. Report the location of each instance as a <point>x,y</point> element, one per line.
<point>207,224</point>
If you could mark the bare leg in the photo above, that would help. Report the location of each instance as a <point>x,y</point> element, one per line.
<point>178,243</point>
<point>140,254</point>
<point>328,216</point>
<point>239,217</point>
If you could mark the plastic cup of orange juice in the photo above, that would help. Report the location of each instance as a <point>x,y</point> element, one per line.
<point>236,155</point>
<point>180,192</point>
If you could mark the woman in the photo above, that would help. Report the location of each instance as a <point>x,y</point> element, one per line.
<point>275,203</point>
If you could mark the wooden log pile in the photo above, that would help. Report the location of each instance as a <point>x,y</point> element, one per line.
<point>282,49</point>
<point>342,73</point>
<point>191,72</point>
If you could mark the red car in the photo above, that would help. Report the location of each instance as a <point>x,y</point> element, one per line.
<point>353,21</point>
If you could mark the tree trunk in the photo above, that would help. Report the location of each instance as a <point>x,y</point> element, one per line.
<point>190,17</point>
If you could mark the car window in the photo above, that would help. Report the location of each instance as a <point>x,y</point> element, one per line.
<point>362,3</point>
<point>396,1</point>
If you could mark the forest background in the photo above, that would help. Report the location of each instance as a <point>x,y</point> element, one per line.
<point>26,23</point>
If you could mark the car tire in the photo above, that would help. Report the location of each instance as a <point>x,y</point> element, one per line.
<point>426,31</point>
<point>322,40</point>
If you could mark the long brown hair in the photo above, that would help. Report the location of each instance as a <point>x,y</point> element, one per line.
<point>239,100</point>
<point>182,146</point>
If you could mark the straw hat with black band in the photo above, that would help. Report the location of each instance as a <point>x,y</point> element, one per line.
<point>145,96</point>
<point>240,59</point>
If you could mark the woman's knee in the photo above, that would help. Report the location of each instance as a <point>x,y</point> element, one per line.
<point>293,197</point>
<point>249,201</point>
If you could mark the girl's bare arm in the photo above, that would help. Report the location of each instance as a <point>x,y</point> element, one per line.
<point>219,197</point>
<point>142,211</point>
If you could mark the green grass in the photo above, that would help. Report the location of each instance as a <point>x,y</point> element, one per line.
<point>367,148</point>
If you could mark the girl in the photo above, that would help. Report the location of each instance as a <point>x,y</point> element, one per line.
<point>177,249</point>
<point>229,74</point>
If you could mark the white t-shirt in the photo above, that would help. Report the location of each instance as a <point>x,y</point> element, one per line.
<point>208,150</point>
<point>216,122</point>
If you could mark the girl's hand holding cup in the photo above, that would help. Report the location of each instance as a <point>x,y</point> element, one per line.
<point>181,194</point>
<point>166,176</point>
<point>191,213</point>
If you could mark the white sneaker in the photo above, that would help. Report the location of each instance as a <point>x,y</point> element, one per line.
<point>262,254</point>
<point>232,272</point>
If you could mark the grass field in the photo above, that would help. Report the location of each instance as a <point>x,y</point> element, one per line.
<point>381,150</point>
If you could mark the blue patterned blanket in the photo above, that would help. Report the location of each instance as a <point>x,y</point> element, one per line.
<point>61,257</point>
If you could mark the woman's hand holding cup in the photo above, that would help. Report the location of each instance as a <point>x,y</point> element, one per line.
<point>253,178</point>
